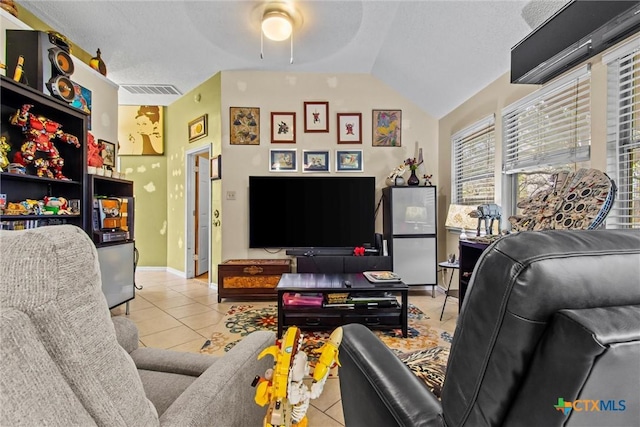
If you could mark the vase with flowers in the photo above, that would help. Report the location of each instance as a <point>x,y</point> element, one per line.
<point>413,166</point>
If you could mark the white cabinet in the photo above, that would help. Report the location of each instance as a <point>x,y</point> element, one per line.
<point>409,227</point>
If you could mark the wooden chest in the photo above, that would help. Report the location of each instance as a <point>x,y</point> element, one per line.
<point>250,277</point>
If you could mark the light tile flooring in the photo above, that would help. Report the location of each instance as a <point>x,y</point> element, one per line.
<point>179,314</point>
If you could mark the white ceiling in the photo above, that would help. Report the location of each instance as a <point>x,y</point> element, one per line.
<point>435,53</point>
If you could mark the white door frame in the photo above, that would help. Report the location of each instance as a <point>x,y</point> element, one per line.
<point>190,206</point>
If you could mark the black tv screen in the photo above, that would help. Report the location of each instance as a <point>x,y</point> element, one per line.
<point>306,212</point>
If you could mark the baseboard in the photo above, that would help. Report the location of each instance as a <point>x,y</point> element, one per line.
<point>139,268</point>
<point>177,272</point>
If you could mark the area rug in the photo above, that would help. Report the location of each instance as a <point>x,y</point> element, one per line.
<point>425,350</point>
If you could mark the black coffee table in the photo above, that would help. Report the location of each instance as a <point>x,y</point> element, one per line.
<point>373,315</point>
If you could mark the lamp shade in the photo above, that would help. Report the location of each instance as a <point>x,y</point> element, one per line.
<point>277,25</point>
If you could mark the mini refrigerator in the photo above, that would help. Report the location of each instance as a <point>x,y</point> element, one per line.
<point>409,227</point>
<point>117,271</point>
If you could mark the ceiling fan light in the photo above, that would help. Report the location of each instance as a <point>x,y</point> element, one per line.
<point>277,25</point>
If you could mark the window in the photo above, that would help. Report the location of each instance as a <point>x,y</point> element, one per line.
<point>546,133</point>
<point>623,133</point>
<point>473,164</point>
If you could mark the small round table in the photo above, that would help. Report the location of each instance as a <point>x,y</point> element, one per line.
<point>449,292</point>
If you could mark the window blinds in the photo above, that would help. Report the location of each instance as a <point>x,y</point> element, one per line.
<point>473,163</point>
<point>623,133</point>
<point>549,127</point>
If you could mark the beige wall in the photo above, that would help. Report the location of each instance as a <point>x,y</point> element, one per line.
<point>286,92</point>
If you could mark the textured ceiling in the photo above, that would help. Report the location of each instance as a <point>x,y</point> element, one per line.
<point>435,53</point>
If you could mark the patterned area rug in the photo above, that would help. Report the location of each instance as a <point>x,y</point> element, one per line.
<point>425,350</point>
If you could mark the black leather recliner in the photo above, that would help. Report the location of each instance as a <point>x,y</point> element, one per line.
<point>548,335</point>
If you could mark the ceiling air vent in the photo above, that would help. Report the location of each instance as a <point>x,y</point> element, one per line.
<point>152,89</point>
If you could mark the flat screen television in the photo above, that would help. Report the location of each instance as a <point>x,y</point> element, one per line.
<point>311,212</point>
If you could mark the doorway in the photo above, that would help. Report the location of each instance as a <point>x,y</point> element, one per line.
<point>198,211</point>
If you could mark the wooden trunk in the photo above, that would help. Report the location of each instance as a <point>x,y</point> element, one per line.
<point>250,277</point>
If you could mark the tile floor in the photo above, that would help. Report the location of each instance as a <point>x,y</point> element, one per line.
<point>177,313</point>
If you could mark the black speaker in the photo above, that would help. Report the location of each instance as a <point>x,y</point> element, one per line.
<point>47,61</point>
<point>378,243</point>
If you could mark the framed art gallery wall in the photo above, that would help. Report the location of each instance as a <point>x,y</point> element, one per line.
<point>354,97</point>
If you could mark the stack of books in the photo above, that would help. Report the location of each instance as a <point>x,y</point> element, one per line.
<point>364,301</point>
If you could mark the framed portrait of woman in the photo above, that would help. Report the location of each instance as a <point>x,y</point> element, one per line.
<point>140,130</point>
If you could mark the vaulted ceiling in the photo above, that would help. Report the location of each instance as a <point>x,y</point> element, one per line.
<point>435,53</point>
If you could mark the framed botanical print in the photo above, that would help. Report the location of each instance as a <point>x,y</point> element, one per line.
<point>316,117</point>
<point>349,128</point>
<point>386,128</point>
<point>349,161</point>
<point>244,126</point>
<point>283,127</point>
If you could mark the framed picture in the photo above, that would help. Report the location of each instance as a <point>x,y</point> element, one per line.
<point>283,160</point>
<point>386,128</point>
<point>198,128</point>
<point>108,153</point>
<point>140,130</point>
<point>316,117</point>
<point>315,161</point>
<point>349,128</point>
<point>245,126</point>
<point>349,161</point>
<point>216,167</point>
<point>82,100</point>
<point>283,127</point>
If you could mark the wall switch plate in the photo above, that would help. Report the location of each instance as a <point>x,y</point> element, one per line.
<point>231,195</point>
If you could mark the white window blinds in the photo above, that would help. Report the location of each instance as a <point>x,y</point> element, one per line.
<point>473,164</point>
<point>549,127</point>
<point>623,133</point>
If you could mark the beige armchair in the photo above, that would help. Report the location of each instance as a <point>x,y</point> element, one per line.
<point>66,361</point>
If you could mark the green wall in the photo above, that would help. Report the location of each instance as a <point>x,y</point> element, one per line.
<point>149,176</point>
<point>204,99</point>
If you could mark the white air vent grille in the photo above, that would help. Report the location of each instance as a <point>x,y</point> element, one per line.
<point>152,89</point>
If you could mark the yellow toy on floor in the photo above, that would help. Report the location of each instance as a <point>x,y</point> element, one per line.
<point>282,387</point>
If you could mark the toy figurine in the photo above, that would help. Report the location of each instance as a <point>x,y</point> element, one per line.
<point>282,387</point>
<point>40,133</point>
<point>4,151</point>
<point>94,151</point>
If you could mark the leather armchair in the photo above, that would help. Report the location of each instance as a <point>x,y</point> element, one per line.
<point>548,335</point>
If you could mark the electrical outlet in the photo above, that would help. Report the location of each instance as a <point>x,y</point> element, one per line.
<point>231,195</point>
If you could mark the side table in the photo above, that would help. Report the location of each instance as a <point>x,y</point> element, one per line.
<point>449,292</point>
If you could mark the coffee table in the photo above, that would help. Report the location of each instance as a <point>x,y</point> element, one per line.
<point>372,315</point>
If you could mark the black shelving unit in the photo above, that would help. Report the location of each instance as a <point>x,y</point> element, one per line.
<point>116,258</point>
<point>17,187</point>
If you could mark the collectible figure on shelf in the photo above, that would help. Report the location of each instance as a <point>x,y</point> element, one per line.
<point>282,387</point>
<point>94,151</point>
<point>487,213</point>
<point>4,152</point>
<point>40,133</point>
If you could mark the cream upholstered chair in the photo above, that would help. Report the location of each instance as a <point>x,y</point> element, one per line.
<point>66,361</point>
